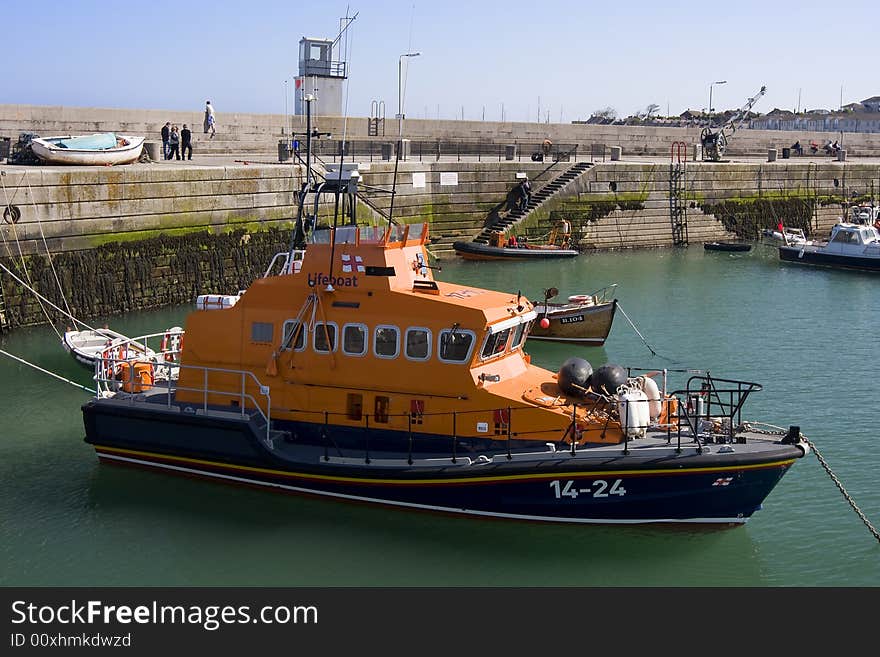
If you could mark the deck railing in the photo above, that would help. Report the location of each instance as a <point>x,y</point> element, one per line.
<point>114,374</point>
<point>691,413</point>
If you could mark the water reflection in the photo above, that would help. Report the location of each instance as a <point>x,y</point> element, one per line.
<point>383,547</point>
<point>805,334</point>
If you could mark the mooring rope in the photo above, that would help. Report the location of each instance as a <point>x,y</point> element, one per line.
<point>46,245</point>
<point>620,308</point>
<point>24,268</point>
<point>8,207</point>
<point>44,371</point>
<point>40,297</point>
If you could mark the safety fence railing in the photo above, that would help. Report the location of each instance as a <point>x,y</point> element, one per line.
<point>135,374</point>
<point>707,409</point>
<point>436,149</point>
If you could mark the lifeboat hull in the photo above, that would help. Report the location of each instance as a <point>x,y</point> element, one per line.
<point>607,484</point>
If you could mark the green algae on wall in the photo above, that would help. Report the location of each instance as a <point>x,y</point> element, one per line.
<point>747,217</point>
<point>114,278</point>
<point>585,209</point>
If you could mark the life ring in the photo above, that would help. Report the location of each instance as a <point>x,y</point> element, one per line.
<point>581,298</point>
<point>110,366</point>
<point>106,366</point>
<point>172,344</point>
<point>11,214</point>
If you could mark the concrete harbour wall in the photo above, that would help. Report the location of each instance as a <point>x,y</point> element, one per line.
<point>258,134</point>
<point>146,235</point>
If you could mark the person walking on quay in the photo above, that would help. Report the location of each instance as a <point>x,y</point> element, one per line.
<point>186,149</point>
<point>174,144</point>
<point>210,121</point>
<point>166,134</point>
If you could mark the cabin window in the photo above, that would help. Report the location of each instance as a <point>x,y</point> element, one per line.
<point>354,339</point>
<point>321,234</point>
<point>291,338</point>
<point>380,413</point>
<point>455,345</point>
<point>261,332</point>
<point>518,335</point>
<point>385,341</point>
<point>325,337</point>
<point>495,344</point>
<point>354,405</point>
<point>418,344</point>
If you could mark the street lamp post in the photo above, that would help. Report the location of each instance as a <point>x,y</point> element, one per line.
<point>710,93</point>
<point>400,91</point>
<point>399,127</point>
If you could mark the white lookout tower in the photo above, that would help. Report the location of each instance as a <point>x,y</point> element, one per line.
<point>320,76</point>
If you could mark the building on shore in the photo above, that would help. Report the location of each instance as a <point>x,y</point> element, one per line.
<point>855,117</point>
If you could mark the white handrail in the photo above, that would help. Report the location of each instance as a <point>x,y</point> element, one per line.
<point>107,369</point>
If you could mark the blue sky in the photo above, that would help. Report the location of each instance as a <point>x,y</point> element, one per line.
<point>566,58</point>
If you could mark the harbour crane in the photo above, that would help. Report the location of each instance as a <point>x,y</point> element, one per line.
<point>714,141</point>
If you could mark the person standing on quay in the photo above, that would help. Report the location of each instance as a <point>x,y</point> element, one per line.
<point>186,149</point>
<point>174,144</point>
<point>166,134</point>
<point>210,125</point>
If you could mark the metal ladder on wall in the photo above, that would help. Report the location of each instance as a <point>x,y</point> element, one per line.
<point>677,205</point>
<point>376,122</point>
<point>4,322</point>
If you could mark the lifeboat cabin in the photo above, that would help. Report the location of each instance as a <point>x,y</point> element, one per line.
<point>362,340</point>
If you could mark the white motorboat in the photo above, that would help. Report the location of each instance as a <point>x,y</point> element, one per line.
<point>788,235</point>
<point>850,246</point>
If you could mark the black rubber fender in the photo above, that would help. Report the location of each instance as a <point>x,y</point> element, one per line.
<point>11,214</point>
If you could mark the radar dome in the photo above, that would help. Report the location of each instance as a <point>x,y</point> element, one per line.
<point>574,376</point>
<point>607,379</point>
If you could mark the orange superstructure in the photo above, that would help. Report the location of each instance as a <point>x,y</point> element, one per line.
<point>362,333</point>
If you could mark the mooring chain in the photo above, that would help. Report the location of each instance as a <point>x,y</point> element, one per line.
<point>750,426</point>
<point>779,430</point>
<point>846,495</point>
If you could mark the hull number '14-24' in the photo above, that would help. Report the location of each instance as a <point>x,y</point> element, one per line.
<point>597,488</point>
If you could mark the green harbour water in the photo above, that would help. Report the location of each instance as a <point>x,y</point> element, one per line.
<point>807,335</point>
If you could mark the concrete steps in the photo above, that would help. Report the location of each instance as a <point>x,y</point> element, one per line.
<point>536,201</point>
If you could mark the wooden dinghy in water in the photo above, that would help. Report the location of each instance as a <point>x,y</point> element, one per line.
<point>584,319</point>
<point>87,345</point>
